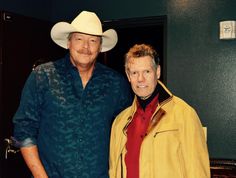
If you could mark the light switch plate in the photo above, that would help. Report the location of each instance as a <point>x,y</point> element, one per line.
<point>228,30</point>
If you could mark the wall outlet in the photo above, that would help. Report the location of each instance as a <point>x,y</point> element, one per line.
<point>228,30</point>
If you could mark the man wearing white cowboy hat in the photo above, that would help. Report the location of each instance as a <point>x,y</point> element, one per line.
<point>67,106</point>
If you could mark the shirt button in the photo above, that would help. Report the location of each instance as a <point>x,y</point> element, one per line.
<point>80,158</point>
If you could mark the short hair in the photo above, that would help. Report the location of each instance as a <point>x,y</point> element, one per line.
<point>142,50</point>
<point>70,34</point>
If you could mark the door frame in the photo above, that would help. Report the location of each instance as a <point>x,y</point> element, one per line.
<point>143,25</point>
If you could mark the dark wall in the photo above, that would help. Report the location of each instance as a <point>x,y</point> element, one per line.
<point>201,69</point>
<point>41,9</point>
<point>108,10</point>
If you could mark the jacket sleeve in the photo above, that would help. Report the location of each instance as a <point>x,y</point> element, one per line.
<point>112,170</point>
<point>117,143</point>
<point>194,146</point>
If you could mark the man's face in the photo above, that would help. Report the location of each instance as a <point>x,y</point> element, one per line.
<point>143,76</point>
<point>84,49</point>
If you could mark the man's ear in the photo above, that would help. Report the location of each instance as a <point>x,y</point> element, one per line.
<point>158,72</point>
<point>100,45</point>
<point>127,74</point>
<point>68,44</point>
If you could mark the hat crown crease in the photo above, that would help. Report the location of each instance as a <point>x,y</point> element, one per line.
<point>88,23</point>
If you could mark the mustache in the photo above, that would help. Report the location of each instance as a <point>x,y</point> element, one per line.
<point>84,51</point>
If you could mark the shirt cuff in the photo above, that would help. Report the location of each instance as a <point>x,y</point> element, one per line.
<point>24,143</point>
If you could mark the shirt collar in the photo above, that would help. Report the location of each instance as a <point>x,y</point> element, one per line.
<point>144,103</point>
<point>69,64</point>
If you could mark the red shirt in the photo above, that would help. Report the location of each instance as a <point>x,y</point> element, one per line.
<point>135,135</point>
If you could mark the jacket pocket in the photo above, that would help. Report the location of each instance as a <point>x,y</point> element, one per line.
<point>166,128</point>
<point>168,147</point>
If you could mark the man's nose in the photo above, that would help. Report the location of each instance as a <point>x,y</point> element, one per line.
<point>86,44</point>
<point>141,77</point>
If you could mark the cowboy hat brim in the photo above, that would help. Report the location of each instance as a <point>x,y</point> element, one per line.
<point>61,30</point>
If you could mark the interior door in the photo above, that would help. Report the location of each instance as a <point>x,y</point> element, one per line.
<point>24,41</point>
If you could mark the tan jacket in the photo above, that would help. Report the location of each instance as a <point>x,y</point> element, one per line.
<point>175,146</point>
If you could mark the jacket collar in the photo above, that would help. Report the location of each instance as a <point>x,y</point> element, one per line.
<point>164,97</point>
<point>164,94</point>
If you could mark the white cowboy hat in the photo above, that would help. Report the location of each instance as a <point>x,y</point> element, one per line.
<point>88,23</point>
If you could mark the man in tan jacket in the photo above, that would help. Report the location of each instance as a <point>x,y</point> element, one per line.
<point>159,135</point>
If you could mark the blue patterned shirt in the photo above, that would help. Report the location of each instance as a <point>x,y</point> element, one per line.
<point>70,124</point>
